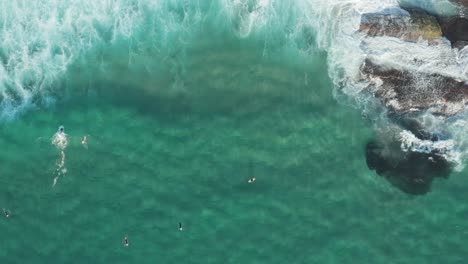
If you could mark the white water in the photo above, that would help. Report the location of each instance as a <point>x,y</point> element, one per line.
<point>39,40</point>
<point>440,7</point>
<point>60,141</point>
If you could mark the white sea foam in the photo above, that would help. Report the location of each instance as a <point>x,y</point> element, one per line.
<point>41,39</point>
<point>440,7</point>
<point>411,142</point>
<point>60,140</point>
<point>246,15</point>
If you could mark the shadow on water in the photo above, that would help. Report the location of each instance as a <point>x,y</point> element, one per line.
<point>229,75</point>
<point>411,172</point>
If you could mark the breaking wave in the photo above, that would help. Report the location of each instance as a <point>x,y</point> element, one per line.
<point>47,45</point>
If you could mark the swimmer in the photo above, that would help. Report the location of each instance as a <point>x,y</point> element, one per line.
<point>55,181</point>
<point>251,180</point>
<point>60,138</point>
<point>125,241</point>
<point>6,213</point>
<point>84,142</point>
<point>180,226</point>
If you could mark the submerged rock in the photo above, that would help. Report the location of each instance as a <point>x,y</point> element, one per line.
<point>403,91</point>
<point>411,172</point>
<point>456,30</point>
<point>409,26</point>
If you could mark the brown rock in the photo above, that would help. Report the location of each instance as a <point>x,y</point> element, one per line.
<point>403,91</point>
<point>400,24</point>
<point>460,2</point>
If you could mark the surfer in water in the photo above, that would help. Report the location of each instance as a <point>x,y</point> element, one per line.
<point>180,226</point>
<point>125,241</point>
<point>6,213</point>
<point>60,138</point>
<point>84,141</point>
<point>251,180</point>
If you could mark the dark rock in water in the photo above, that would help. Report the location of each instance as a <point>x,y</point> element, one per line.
<point>460,2</point>
<point>455,29</point>
<point>460,44</point>
<point>411,172</point>
<point>409,26</point>
<point>403,91</point>
<point>407,92</point>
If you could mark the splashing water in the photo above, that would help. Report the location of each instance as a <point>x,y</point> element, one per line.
<point>410,142</point>
<point>60,141</point>
<point>61,169</point>
<point>47,43</point>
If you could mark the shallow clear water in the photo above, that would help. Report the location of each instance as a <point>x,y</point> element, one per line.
<point>179,143</point>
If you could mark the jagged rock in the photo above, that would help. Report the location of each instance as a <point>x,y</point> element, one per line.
<point>403,91</point>
<point>460,2</point>
<point>456,30</point>
<point>409,26</point>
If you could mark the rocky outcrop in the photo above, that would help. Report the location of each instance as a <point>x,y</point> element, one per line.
<point>413,25</point>
<point>460,2</point>
<point>409,26</point>
<point>411,159</point>
<point>407,94</point>
<point>403,91</point>
<point>456,30</point>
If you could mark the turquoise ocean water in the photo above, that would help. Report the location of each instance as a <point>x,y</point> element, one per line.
<point>182,102</point>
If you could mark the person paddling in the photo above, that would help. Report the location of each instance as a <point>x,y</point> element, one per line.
<point>251,180</point>
<point>6,213</point>
<point>125,241</point>
<point>84,142</point>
